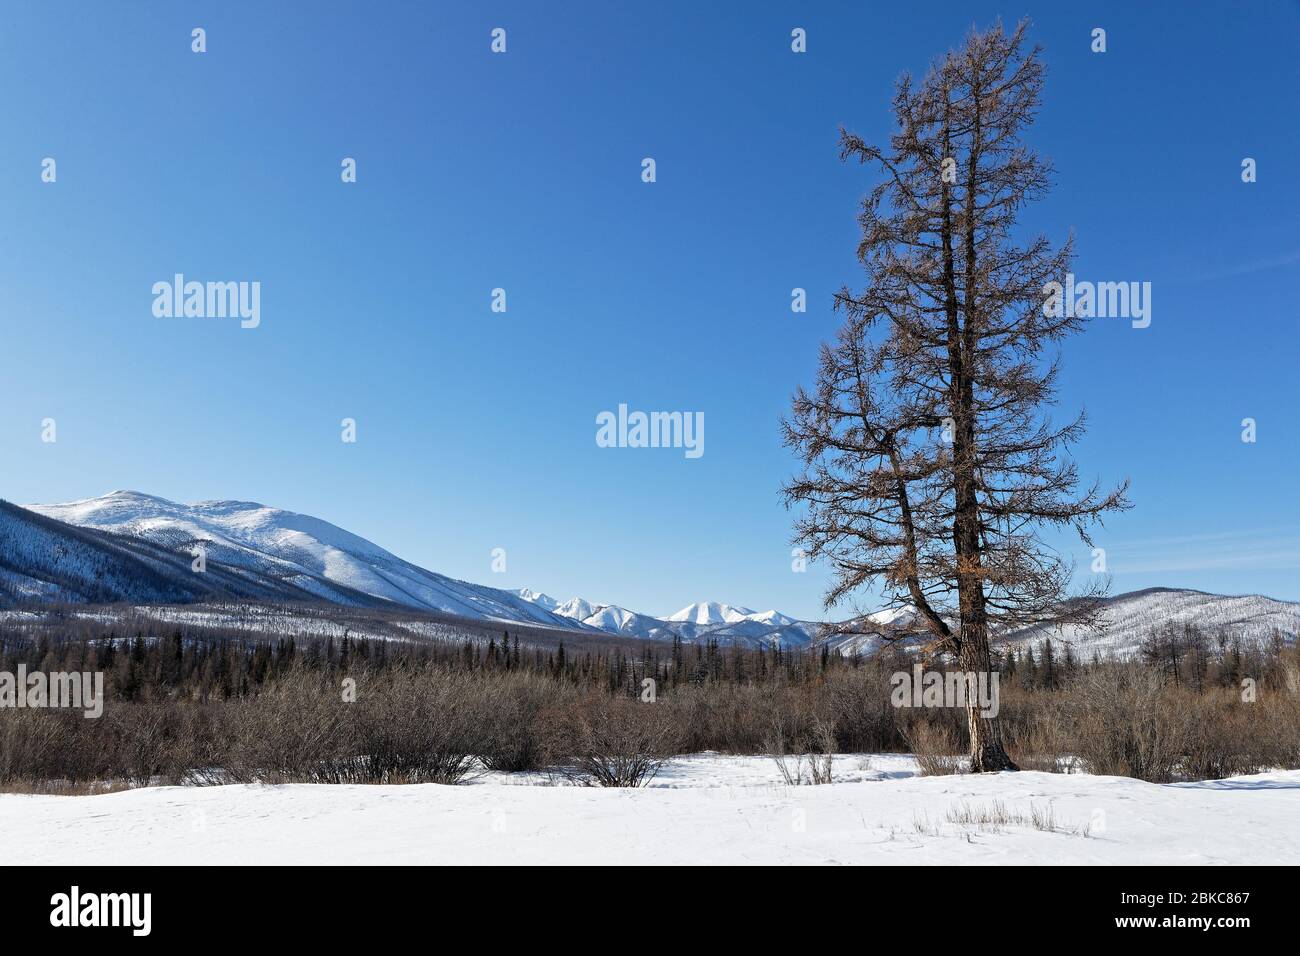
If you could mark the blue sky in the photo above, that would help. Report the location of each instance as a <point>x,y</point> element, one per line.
<point>475,429</point>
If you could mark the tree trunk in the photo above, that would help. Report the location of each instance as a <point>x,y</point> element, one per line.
<point>987,754</point>
<point>986,750</point>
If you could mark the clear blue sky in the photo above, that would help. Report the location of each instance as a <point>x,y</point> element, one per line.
<point>476,430</point>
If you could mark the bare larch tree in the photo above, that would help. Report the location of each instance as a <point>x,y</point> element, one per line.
<point>930,468</point>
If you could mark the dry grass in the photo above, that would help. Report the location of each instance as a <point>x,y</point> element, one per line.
<point>936,748</point>
<point>996,817</point>
<point>64,788</point>
<point>806,758</point>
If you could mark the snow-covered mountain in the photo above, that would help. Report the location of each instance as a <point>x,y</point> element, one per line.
<point>775,618</point>
<point>865,635</point>
<point>128,546</point>
<point>754,632</point>
<point>896,617</point>
<point>577,608</point>
<point>612,618</point>
<point>726,622</point>
<point>708,620</point>
<point>1130,618</point>
<point>270,554</point>
<point>47,561</point>
<point>711,612</point>
<point>619,620</point>
<point>1126,620</point>
<point>317,558</point>
<point>537,597</point>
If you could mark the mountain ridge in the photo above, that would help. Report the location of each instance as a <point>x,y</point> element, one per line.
<point>312,554</point>
<point>133,546</point>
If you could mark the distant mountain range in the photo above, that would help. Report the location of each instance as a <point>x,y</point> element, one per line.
<point>707,620</point>
<point>129,547</point>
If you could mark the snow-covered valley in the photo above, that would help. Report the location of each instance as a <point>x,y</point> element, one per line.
<point>700,809</point>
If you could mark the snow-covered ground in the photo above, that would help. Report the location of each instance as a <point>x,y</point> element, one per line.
<point>701,809</point>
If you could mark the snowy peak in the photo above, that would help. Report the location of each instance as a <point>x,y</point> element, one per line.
<point>711,612</point>
<point>614,619</point>
<point>620,620</point>
<point>895,617</point>
<point>773,618</point>
<point>537,597</point>
<point>705,621</point>
<point>577,608</point>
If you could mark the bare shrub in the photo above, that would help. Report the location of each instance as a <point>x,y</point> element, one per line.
<point>421,720</point>
<point>514,731</point>
<point>64,788</point>
<point>619,741</point>
<point>49,747</point>
<point>419,727</point>
<point>203,746</point>
<point>791,768</point>
<point>297,729</point>
<point>728,718</point>
<point>1038,737</point>
<point>1291,678</point>
<point>147,742</point>
<point>1215,745</point>
<point>820,765</point>
<point>858,702</point>
<point>936,747</point>
<point>416,725</point>
<point>1121,727</point>
<point>1279,727</point>
<point>809,757</point>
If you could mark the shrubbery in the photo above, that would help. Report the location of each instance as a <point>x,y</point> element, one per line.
<point>410,720</point>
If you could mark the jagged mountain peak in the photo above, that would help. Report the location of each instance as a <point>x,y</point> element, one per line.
<point>537,597</point>
<point>711,612</point>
